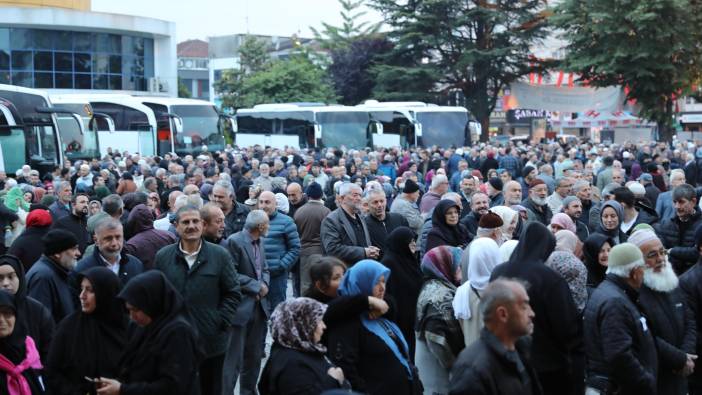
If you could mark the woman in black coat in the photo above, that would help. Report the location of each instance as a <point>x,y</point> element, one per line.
<point>20,365</point>
<point>161,357</point>
<point>406,281</point>
<point>446,230</point>
<point>89,342</point>
<point>28,246</point>
<point>297,365</point>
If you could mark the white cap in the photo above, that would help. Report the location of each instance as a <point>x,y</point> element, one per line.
<point>626,154</point>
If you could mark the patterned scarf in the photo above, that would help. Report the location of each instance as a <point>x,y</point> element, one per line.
<point>294,322</point>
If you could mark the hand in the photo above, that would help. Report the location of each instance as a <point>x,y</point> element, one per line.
<point>263,292</point>
<point>372,252</point>
<point>689,365</point>
<point>378,307</point>
<point>337,374</point>
<point>108,386</point>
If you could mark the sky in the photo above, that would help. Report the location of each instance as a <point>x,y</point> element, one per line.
<point>199,19</point>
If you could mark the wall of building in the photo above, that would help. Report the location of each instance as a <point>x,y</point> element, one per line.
<point>83,5</point>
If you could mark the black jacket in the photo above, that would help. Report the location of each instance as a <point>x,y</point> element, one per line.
<point>47,282</point>
<point>28,246</point>
<point>379,230</point>
<point>234,221</point>
<point>679,237</point>
<point>76,225</point>
<point>486,368</point>
<point>129,266</point>
<point>621,353</point>
<point>674,330</point>
<point>339,238</point>
<point>691,285</point>
<point>470,221</point>
<point>543,215</point>
<point>293,372</point>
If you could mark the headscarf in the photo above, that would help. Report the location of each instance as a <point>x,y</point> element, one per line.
<point>39,193</point>
<point>294,322</point>
<point>564,221</point>
<point>574,272</point>
<point>401,261</point>
<point>360,280</point>
<point>101,192</point>
<point>566,241</point>
<point>508,215</point>
<point>38,219</point>
<point>591,252</point>
<point>613,233</point>
<point>507,248</point>
<point>14,200</point>
<point>484,256</point>
<point>98,338</point>
<point>442,263</point>
<point>454,235</point>
<point>536,244</point>
<point>17,353</point>
<point>282,203</point>
<point>20,297</point>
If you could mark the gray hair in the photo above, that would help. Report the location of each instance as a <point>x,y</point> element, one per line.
<point>59,186</point>
<point>684,191</point>
<point>226,185</point>
<point>498,293</point>
<point>112,204</point>
<point>347,187</point>
<point>107,224</point>
<point>186,209</point>
<point>160,171</point>
<point>188,200</point>
<point>453,196</point>
<point>579,185</point>
<point>254,219</point>
<point>438,180</point>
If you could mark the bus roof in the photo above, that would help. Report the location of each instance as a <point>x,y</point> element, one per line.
<point>21,89</point>
<point>173,101</point>
<point>296,108</point>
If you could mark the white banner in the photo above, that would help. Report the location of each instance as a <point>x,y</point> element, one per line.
<point>576,99</point>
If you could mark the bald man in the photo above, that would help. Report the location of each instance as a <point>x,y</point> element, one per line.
<point>296,198</point>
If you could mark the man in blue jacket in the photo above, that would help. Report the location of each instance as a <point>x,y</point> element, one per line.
<point>282,247</point>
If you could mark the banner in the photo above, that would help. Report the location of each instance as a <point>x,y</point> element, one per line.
<point>576,99</point>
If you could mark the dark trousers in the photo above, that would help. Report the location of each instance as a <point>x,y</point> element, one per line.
<point>244,355</point>
<point>211,375</point>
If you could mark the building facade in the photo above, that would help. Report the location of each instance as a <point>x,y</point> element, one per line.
<point>193,68</point>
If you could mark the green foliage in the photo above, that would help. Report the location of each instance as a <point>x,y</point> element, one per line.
<point>253,58</point>
<point>476,46</point>
<point>336,37</point>
<point>183,91</point>
<point>651,46</point>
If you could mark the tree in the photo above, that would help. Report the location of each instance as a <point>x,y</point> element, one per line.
<point>652,47</point>
<point>336,37</point>
<point>253,58</point>
<point>350,66</point>
<point>478,47</point>
<point>293,80</point>
<point>183,90</point>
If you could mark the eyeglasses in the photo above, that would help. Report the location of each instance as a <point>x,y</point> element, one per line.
<point>654,254</point>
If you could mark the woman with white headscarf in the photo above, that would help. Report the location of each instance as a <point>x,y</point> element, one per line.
<point>510,219</point>
<point>484,256</point>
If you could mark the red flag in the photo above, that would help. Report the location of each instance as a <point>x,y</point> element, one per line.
<point>559,80</point>
<point>541,79</point>
<point>571,80</point>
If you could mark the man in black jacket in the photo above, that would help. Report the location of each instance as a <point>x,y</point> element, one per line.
<point>669,317</point>
<point>537,208</point>
<point>234,213</point>
<point>497,362</point>
<point>678,233</point>
<point>77,221</point>
<point>479,206</point>
<point>378,221</point>
<point>621,353</point>
<point>691,285</point>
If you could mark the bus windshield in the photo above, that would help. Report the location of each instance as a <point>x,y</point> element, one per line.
<point>200,127</point>
<point>344,128</point>
<point>13,147</point>
<point>74,144</point>
<point>443,128</point>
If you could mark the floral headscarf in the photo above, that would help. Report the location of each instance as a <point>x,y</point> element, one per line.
<point>442,263</point>
<point>294,321</point>
<point>574,272</point>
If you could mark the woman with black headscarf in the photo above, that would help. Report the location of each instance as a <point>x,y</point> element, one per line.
<point>297,364</point>
<point>596,253</point>
<point>557,342</point>
<point>406,280</point>
<point>611,217</point>
<point>446,230</point>
<point>36,318</point>
<point>20,364</point>
<point>90,342</point>
<point>161,357</point>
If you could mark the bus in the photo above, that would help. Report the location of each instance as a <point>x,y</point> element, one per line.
<point>422,124</point>
<point>303,125</point>
<point>74,144</point>
<point>186,126</point>
<point>29,130</point>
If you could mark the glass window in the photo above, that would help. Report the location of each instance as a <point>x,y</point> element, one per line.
<point>109,43</point>
<point>43,80</point>
<point>4,60</point>
<point>63,40</point>
<point>44,39</point>
<point>138,46</point>
<point>13,146</point>
<point>138,67</point>
<point>63,61</point>
<point>139,83</point>
<point>22,60</point>
<point>4,77</point>
<point>82,62</point>
<point>64,80</point>
<point>43,61</point>
<point>115,64</point>
<point>99,81</point>
<point>100,63</point>
<point>4,38</point>
<point>21,39</point>
<point>22,79</point>
<point>83,81</point>
<point>83,42</point>
<point>148,58</point>
<point>115,82</point>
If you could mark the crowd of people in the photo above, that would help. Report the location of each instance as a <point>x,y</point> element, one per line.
<point>543,268</point>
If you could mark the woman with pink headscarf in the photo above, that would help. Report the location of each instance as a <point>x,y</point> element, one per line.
<point>562,221</point>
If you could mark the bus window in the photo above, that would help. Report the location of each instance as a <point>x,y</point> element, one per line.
<point>200,125</point>
<point>13,147</point>
<point>344,128</point>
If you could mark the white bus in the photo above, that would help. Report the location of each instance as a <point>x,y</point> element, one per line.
<point>187,125</point>
<point>422,124</point>
<point>303,125</point>
<point>29,130</point>
<point>74,144</point>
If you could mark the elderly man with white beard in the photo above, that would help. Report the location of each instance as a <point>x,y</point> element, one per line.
<point>668,315</point>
